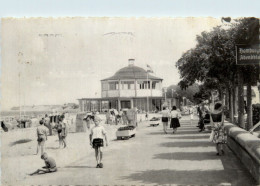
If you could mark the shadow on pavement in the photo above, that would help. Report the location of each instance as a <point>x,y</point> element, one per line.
<point>156,133</point>
<point>199,156</point>
<point>191,132</point>
<point>187,128</point>
<point>187,144</point>
<point>189,137</point>
<point>77,167</point>
<point>20,142</point>
<point>167,176</point>
<point>186,132</point>
<point>53,148</point>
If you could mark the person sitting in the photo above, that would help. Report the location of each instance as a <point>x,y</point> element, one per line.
<point>50,165</point>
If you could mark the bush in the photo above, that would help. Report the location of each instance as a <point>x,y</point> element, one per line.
<point>256,113</point>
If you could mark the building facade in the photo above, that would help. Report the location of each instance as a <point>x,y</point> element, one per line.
<point>129,87</point>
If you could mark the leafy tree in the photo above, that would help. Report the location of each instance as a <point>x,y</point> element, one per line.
<point>178,92</point>
<point>213,61</point>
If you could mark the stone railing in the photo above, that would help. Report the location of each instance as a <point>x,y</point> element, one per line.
<point>246,147</point>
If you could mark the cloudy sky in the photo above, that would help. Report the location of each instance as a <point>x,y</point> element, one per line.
<point>61,60</point>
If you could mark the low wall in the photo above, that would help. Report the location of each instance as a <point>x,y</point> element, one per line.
<point>247,148</point>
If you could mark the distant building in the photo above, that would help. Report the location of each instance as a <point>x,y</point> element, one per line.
<point>129,87</point>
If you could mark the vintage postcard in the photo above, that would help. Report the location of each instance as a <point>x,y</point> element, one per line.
<point>130,101</point>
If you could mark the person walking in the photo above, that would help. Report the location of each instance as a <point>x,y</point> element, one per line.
<point>96,138</point>
<point>47,123</point>
<point>175,116</point>
<point>199,112</point>
<point>88,120</point>
<point>218,135</point>
<point>191,115</point>
<point>165,118</point>
<point>42,133</point>
<point>64,132</point>
<point>146,116</point>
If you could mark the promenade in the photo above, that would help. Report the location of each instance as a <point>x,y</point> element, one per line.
<point>151,158</point>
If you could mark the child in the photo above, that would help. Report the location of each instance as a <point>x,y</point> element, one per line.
<point>96,140</point>
<point>50,165</point>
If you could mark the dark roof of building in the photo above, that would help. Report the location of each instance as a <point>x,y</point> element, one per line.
<point>131,72</point>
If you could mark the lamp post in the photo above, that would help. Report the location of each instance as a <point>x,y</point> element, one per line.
<point>165,91</point>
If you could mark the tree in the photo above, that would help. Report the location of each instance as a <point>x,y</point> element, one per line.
<point>214,60</point>
<point>178,92</point>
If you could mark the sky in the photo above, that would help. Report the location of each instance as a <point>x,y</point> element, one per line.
<point>175,8</point>
<point>79,52</point>
<point>63,59</point>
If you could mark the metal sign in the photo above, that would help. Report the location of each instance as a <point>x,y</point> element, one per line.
<point>248,54</point>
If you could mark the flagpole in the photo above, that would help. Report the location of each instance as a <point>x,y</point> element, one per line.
<point>147,94</point>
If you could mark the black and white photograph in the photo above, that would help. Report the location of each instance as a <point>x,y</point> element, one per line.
<point>130,101</point>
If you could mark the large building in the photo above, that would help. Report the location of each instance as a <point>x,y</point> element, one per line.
<point>129,87</point>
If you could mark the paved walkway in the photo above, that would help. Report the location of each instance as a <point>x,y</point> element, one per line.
<point>152,157</point>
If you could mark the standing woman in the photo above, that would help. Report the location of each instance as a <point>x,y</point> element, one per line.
<point>218,135</point>
<point>59,130</point>
<point>165,119</point>
<point>175,116</point>
<point>64,131</point>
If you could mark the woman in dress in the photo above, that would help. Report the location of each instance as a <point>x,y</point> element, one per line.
<point>165,119</point>
<point>175,116</point>
<point>218,135</point>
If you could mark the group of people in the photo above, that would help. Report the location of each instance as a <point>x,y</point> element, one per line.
<point>44,130</point>
<point>172,116</point>
<point>215,117</point>
<point>96,137</point>
<point>42,135</point>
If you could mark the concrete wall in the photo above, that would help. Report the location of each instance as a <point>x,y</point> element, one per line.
<point>247,148</point>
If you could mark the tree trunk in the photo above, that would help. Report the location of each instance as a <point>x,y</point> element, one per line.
<point>249,107</point>
<point>234,103</point>
<point>241,105</point>
<point>231,111</point>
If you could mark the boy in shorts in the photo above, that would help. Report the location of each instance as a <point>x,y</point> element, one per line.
<point>96,136</point>
<point>50,165</point>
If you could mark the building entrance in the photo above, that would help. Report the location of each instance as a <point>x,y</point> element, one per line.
<point>125,104</point>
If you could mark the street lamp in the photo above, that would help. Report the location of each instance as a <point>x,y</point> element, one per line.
<point>165,91</point>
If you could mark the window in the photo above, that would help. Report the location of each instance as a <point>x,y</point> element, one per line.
<point>128,85</point>
<point>104,86</point>
<point>113,85</point>
<point>155,85</point>
<point>144,84</point>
